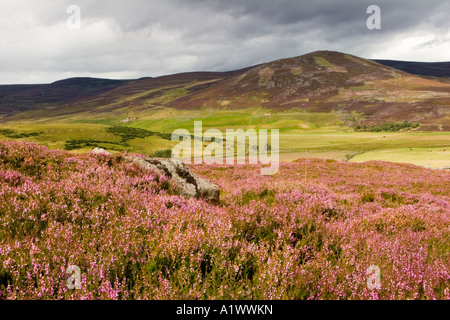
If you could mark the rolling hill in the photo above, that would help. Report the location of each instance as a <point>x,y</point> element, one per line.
<point>430,69</point>
<point>321,82</point>
<point>331,81</point>
<point>19,98</point>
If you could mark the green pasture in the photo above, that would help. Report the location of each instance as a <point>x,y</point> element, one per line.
<point>302,134</point>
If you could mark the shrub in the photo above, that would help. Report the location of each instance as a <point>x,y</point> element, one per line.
<point>388,126</point>
<point>162,153</point>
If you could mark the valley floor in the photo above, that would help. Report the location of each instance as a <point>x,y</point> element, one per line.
<point>427,149</point>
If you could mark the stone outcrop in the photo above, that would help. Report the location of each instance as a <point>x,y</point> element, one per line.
<point>100,151</point>
<point>189,184</point>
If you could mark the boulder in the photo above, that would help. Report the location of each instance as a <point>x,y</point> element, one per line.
<point>189,183</point>
<point>101,151</point>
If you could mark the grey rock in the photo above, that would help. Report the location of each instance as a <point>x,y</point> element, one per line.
<point>101,151</point>
<point>189,183</point>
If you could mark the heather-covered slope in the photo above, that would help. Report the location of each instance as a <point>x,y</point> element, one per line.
<point>75,96</point>
<point>19,98</point>
<point>322,81</point>
<point>311,231</point>
<point>430,69</point>
<point>327,81</point>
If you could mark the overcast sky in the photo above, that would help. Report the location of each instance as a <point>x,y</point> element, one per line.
<point>123,39</point>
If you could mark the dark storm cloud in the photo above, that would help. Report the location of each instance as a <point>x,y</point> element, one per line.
<point>134,38</point>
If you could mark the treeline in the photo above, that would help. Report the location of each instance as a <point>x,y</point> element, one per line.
<point>388,126</point>
<point>129,133</point>
<point>125,133</point>
<point>14,135</point>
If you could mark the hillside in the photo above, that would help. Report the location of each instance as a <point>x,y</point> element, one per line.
<point>293,236</point>
<point>430,69</point>
<point>326,81</point>
<point>76,95</point>
<point>323,81</point>
<point>18,98</point>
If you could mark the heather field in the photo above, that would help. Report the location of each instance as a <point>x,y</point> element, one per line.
<point>308,232</point>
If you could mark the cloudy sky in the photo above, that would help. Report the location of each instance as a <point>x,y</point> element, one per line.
<point>40,41</point>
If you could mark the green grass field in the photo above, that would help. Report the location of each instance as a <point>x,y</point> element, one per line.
<point>420,148</point>
<point>302,135</point>
<point>432,157</point>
